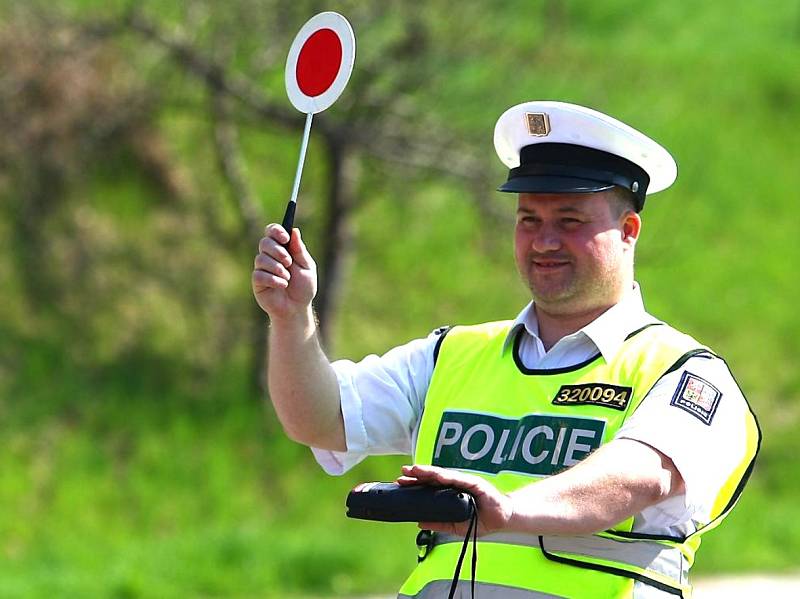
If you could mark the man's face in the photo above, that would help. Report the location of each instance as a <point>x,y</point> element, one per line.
<point>574,251</point>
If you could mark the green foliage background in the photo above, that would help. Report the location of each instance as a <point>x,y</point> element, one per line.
<point>136,458</point>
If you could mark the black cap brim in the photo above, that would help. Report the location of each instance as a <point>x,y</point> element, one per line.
<point>552,184</point>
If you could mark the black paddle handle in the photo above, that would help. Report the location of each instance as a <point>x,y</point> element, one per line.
<point>288,219</point>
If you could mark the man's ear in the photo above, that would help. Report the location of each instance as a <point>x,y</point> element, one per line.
<point>630,226</point>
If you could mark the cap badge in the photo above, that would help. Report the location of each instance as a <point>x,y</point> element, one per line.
<point>538,123</point>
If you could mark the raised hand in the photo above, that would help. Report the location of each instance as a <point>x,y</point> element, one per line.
<point>284,276</point>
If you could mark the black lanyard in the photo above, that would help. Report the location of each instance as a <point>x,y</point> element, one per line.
<point>472,530</point>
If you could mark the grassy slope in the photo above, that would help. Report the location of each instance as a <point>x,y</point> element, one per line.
<point>113,487</point>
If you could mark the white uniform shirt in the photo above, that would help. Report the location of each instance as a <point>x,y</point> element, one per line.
<point>382,400</point>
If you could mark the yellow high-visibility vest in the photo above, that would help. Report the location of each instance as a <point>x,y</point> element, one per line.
<point>487,414</point>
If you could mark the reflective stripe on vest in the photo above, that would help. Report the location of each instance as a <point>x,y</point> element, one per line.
<point>485,413</point>
<point>483,590</point>
<point>662,563</point>
<point>506,566</point>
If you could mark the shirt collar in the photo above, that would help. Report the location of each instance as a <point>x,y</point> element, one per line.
<point>607,332</point>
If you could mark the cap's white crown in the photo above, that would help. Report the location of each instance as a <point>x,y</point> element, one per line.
<point>578,125</point>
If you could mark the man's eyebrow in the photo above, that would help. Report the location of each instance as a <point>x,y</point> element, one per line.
<point>561,209</point>
<point>570,208</point>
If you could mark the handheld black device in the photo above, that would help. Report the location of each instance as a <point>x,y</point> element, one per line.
<point>390,502</point>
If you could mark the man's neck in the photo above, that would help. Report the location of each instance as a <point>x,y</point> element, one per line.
<point>554,327</point>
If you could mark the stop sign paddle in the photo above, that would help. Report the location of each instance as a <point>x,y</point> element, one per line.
<point>317,70</point>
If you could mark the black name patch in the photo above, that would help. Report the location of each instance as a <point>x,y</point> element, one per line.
<point>595,394</point>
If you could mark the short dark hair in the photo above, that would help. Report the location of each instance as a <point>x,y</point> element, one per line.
<point>622,200</point>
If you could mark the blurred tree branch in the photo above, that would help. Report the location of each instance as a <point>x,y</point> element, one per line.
<point>232,165</point>
<point>390,135</point>
<point>387,127</point>
<point>379,121</point>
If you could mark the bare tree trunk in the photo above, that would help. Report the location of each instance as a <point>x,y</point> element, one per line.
<point>234,172</point>
<point>337,238</point>
<point>45,188</point>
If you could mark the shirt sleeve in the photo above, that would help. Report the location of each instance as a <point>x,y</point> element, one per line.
<point>698,417</point>
<point>382,399</point>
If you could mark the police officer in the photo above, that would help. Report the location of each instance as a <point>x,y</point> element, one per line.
<point>599,442</point>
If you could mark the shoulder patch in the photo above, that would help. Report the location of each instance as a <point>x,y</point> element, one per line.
<point>697,396</point>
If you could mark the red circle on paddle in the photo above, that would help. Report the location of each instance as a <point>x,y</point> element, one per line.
<point>319,62</point>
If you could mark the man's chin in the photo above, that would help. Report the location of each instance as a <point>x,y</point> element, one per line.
<point>554,300</point>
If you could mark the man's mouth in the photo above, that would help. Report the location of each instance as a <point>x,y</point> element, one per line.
<point>549,263</point>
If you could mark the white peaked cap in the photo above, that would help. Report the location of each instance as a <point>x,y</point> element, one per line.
<point>559,147</point>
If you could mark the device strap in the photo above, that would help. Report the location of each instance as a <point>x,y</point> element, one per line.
<point>472,530</point>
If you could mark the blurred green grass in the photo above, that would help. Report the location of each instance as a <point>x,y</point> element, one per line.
<point>126,492</point>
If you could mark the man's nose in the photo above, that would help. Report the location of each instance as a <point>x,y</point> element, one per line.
<point>546,239</point>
